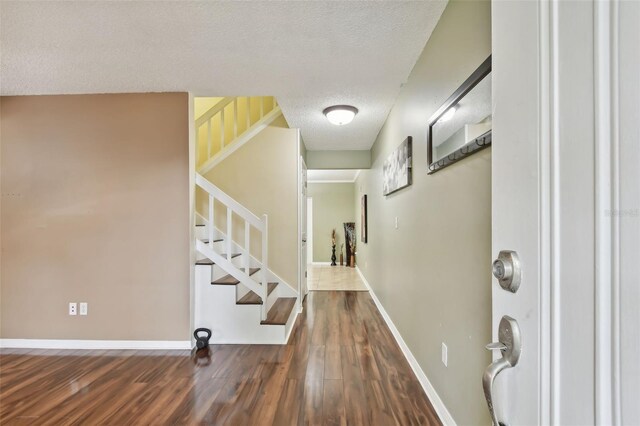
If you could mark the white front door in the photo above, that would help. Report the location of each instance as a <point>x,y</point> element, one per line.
<point>558,191</point>
<point>516,209</point>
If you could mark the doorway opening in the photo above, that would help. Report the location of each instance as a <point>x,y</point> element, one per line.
<point>332,232</point>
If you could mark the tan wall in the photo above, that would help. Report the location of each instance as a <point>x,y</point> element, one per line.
<point>432,274</point>
<point>95,208</point>
<point>262,176</point>
<point>332,207</point>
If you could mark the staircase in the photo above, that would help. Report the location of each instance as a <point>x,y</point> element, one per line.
<point>236,295</point>
<point>228,124</point>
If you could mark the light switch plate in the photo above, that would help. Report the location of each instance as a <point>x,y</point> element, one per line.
<point>73,308</point>
<point>84,308</point>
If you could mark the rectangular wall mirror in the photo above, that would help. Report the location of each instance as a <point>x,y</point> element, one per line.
<point>462,125</point>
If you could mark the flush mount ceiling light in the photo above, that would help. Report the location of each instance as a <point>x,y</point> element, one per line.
<point>340,114</point>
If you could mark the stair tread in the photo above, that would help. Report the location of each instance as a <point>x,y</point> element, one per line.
<point>252,298</point>
<point>280,311</point>
<point>215,241</point>
<point>230,280</point>
<point>210,262</point>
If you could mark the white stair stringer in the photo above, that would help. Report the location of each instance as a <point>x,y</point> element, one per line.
<point>221,281</point>
<point>231,323</point>
<point>228,267</point>
<point>283,289</point>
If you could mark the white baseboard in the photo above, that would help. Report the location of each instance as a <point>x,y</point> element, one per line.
<point>320,263</point>
<point>438,404</point>
<point>94,344</point>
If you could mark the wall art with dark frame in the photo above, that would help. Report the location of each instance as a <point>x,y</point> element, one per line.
<point>363,219</point>
<point>396,170</point>
<point>462,125</point>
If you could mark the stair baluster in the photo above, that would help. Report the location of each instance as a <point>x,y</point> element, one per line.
<point>225,262</point>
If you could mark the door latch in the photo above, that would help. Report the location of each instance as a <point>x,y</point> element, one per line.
<point>506,268</point>
<point>509,344</point>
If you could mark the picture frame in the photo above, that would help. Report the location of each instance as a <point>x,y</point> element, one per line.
<point>397,168</point>
<point>468,102</point>
<point>363,219</point>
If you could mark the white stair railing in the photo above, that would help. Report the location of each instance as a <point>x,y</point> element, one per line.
<point>225,262</point>
<point>241,112</point>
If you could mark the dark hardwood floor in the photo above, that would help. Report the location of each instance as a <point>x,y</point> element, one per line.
<point>341,366</point>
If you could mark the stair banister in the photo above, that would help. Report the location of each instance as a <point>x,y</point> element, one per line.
<point>225,199</point>
<point>261,224</point>
<point>247,246</point>
<point>211,219</point>
<point>213,111</point>
<point>241,128</point>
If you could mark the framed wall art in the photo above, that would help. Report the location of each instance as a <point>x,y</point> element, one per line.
<point>462,125</point>
<point>363,218</point>
<point>396,170</point>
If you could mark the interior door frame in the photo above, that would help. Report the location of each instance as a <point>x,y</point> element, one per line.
<point>301,210</point>
<point>309,231</point>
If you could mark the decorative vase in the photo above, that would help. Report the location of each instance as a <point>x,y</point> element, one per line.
<point>333,255</point>
<point>341,259</point>
<point>353,261</point>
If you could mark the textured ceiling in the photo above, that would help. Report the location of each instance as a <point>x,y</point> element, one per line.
<point>309,54</point>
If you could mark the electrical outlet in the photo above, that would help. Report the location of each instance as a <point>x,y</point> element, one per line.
<point>396,222</point>
<point>84,308</point>
<point>73,308</point>
<point>444,354</point>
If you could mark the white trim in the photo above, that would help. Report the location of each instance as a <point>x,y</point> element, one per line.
<point>309,230</point>
<point>94,344</point>
<point>293,325</point>
<point>302,204</point>
<point>607,381</point>
<point>545,175</point>
<point>321,263</point>
<point>438,404</point>
<point>192,210</point>
<point>239,142</point>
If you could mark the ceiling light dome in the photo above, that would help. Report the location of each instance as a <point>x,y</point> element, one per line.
<point>340,114</point>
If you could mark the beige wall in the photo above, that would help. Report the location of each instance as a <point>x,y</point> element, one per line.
<point>95,208</point>
<point>262,176</point>
<point>432,274</point>
<point>332,207</point>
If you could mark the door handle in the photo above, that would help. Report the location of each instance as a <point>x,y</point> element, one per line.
<point>510,344</point>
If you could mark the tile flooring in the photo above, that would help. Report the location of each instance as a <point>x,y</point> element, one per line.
<point>336,278</point>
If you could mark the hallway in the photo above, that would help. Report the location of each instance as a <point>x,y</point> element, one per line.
<point>342,365</point>
<point>338,278</point>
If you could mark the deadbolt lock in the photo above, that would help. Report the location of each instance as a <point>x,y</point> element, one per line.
<point>506,268</point>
